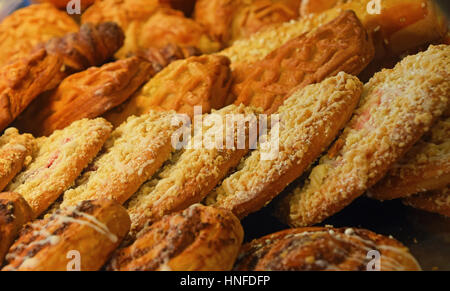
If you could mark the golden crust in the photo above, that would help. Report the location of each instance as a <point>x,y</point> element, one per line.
<point>425,167</point>
<point>58,161</point>
<point>317,6</point>
<point>197,81</point>
<point>133,153</point>
<point>25,28</point>
<point>92,228</point>
<point>62,4</point>
<point>397,107</point>
<point>341,45</point>
<point>199,238</point>
<point>198,170</point>
<point>14,213</point>
<point>22,80</point>
<point>321,248</point>
<point>87,94</point>
<point>15,152</point>
<point>228,21</point>
<point>437,201</point>
<point>310,120</point>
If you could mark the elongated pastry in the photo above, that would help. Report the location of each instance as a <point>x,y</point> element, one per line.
<point>322,248</point>
<point>87,94</point>
<point>228,21</point>
<point>341,45</point>
<point>215,148</point>
<point>77,238</point>
<point>14,213</point>
<point>437,201</point>
<point>198,81</point>
<point>59,160</point>
<point>310,119</point>
<point>425,167</point>
<point>23,80</point>
<point>15,152</point>
<point>317,6</point>
<point>397,107</point>
<point>199,238</point>
<point>28,26</point>
<point>133,153</point>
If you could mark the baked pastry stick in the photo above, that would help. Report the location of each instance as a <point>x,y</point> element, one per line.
<point>228,21</point>
<point>58,161</point>
<point>397,107</point>
<point>437,201</point>
<point>14,213</point>
<point>87,94</point>
<point>21,31</point>
<point>200,238</point>
<point>310,119</point>
<point>197,81</point>
<point>133,153</point>
<point>78,238</point>
<point>23,80</point>
<point>425,167</point>
<point>214,149</point>
<point>325,249</point>
<point>341,45</point>
<point>16,151</point>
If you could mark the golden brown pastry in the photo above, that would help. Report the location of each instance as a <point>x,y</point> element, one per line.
<point>161,58</point>
<point>230,20</point>
<point>23,80</point>
<point>341,45</point>
<point>197,81</point>
<point>89,231</point>
<point>150,23</point>
<point>204,162</point>
<point>58,161</point>
<point>25,28</point>
<point>14,213</point>
<point>62,4</point>
<point>133,153</point>
<point>87,94</point>
<point>425,167</point>
<point>15,152</point>
<point>324,249</point>
<point>437,201</point>
<point>397,107</point>
<point>317,6</point>
<point>310,119</point>
<point>199,238</point>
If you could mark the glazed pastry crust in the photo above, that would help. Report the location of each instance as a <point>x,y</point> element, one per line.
<point>437,201</point>
<point>425,167</point>
<point>321,248</point>
<point>397,107</point>
<point>15,152</point>
<point>310,120</point>
<point>199,238</point>
<point>197,171</point>
<point>58,161</point>
<point>87,94</point>
<point>341,45</point>
<point>197,81</point>
<point>132,154</point>
<point>14,213</point>
<point>93,228</point>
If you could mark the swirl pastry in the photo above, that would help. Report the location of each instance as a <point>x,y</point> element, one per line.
<point>341,45</point>
<point>321,248</point>
<point>89,231</point>
<point>14,213</point>
<point>437,201</point>
<point>202,165</point>
<point>425,167</point>
<point>310,119</point>
<point>199,238</point>
<point>397,107</point>
<point>58,161</point>
<point>197,81</point>
<point>15,152</point>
